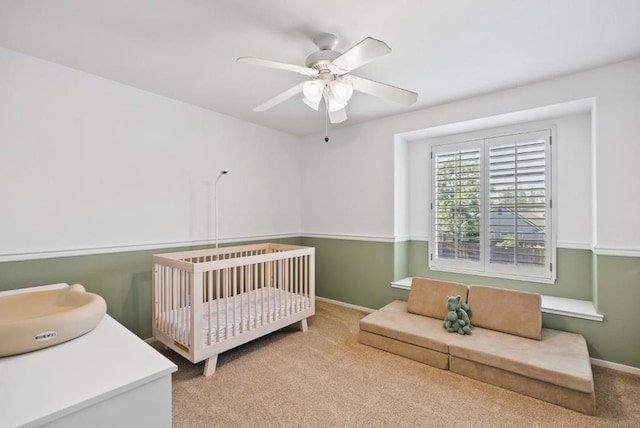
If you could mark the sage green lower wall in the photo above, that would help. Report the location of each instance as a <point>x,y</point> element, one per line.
<point>574,274</point>
<point>618,283</point>
<point>360,273</point>
<point>355,272</point>
<point>122,279</point>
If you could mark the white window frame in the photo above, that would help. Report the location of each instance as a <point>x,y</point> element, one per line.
<point>484,140</point>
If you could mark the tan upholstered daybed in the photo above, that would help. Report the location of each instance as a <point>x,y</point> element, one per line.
<point>508,347</point>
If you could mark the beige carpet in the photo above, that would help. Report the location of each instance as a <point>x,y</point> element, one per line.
<point>325,378</point>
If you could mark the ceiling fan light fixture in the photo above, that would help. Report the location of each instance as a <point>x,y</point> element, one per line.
<point>342,90</point>
<point>313,90</point>
<point>335,105</point>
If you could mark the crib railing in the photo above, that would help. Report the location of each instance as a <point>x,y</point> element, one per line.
<point>227,296</point>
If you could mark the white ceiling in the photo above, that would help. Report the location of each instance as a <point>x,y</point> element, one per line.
<point>442,49</point>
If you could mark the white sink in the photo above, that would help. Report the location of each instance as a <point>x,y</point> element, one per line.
<point>39,319</point>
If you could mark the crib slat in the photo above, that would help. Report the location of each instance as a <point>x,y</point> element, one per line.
<point>301,282</point>
<point>268,315</point>
<point>241,298</point>
<point>296,291</point>
<point>218,298</point>
<point>262,287</point>
<point>171,313</point>
<point>246,272</point>
<point>158,297</point>
<point>226,303</point>
<point>184,302</point>
<point>174,319</point>
<point>178,303</point>
<point>233,283</point>
<point>285,274</point>
<point>177,306</point>
<point>168,273</point>
<point>209,306</point>
<point>256,287</point>
<point>283,287</point>
<point>188,287</point>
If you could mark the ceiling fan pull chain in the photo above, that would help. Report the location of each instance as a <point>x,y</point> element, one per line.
<point>326,124</point>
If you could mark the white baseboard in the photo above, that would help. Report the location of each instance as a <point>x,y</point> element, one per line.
<point>346,305</point>
<point>615,366</point>
<point>594,361</point>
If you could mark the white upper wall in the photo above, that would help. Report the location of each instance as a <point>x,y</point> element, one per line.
<point>88,163</point>
<point>573,175</point>
<point>348,184</point>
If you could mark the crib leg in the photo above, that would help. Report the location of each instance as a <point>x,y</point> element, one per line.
<point>210,365</point>
<point>303,325</point>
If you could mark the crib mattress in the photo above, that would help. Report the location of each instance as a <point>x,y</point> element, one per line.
<point>245,311</point>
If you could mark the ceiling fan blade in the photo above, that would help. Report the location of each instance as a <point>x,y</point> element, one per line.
<point>280,98</point>
<point>365,51</point>
<point>384,91</point>
<point>279,65</point>
<point>338,116</point>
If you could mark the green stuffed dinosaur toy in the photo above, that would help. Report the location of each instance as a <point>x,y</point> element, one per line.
<point>457,319</point>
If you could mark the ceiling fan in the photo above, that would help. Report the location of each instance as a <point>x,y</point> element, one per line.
<point>329,79</point>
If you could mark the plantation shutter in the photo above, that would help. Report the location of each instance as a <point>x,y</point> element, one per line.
<point>491,207</point>
<point>456,207</point>
<point>519,200</point>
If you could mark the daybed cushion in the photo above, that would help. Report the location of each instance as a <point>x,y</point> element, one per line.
<point>559,358</point>
<point>429,298</point>
<point>395,322</point>
<point>509,311</point>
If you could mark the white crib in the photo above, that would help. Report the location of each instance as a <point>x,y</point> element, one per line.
<point>208,301</point>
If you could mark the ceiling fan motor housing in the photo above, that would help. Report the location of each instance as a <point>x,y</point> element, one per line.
<point>321,60</point>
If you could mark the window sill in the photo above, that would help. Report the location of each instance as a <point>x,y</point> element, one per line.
<point>404,283</point>
<point>573,308</point>
<point>570,308</point>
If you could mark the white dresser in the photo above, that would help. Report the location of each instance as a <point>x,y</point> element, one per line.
<point>106,378</point>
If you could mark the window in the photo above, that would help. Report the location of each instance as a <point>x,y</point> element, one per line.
<point>491,206</point>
